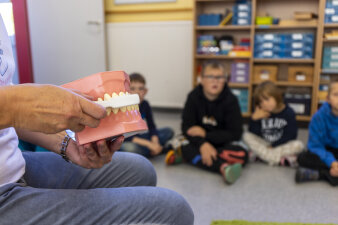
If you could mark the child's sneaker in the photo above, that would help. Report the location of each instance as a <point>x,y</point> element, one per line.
<point>232,173</point>
<point>304,174</point>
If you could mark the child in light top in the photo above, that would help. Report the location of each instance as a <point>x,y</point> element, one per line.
<point>273,128</point>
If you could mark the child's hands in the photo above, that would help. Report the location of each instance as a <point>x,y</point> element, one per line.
<point>196,131</point>
<point>156,147</point>
<point>334,169</point>
<point>208,153</point>
<point>259,114</point>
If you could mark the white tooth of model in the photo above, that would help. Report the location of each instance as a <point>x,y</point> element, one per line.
<point>115,102</point>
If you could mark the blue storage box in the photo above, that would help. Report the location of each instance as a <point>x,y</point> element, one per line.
<point>241,21</point>
<point>209,19</point>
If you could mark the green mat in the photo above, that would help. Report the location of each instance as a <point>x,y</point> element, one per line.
<point>242,222</point>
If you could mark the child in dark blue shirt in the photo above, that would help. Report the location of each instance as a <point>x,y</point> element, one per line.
<point>273,129</point>
<point>321,161</point>
<point>152,142</point>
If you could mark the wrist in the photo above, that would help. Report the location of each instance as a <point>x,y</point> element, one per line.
<point>63,147</point>
<point>7,115</point>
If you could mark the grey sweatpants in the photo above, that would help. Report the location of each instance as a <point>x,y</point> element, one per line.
<point>121,192</point>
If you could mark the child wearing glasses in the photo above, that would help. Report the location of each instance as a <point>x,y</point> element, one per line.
<point>273,128</point>
<point>150,143</point>
<point>211,121</point>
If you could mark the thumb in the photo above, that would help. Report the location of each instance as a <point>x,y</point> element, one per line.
<point>92,109</point>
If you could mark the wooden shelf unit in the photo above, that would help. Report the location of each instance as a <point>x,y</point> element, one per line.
<point>318,6</point>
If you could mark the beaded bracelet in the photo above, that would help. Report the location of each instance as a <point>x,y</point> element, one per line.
<point>63,149</point>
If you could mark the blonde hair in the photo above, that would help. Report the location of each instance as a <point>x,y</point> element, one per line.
<point>268,89</point>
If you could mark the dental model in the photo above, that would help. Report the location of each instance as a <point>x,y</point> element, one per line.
<point>111,90</point>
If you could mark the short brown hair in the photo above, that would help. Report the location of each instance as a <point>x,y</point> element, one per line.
<point>214,65</point>
<point>268,89</point>
<point>333,81</point>
<point>137,77</point>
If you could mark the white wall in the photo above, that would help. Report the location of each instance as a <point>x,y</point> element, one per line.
<point>161,51</point>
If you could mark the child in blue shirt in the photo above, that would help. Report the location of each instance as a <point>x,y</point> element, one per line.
<point>273,128</point>
<point>321,161</point>
<point>152,142</point>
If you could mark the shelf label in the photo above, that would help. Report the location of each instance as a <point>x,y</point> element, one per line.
<point>267,45</point>
<point>265,76</point>
<point>268,36</point>
<point>267,53</point>
<point>297,36</point>
<point>300,77</point>
<point>329,11</point>
<point>297,45</point>
<point>243,14</point>
<point>243,21</point>
<point>241,72</point>
<point>241,65</point>
<point>296,53</point>
<point>299,108</point>
<point>243,7</point>
<point>240,79</point>
<point>334,64</point>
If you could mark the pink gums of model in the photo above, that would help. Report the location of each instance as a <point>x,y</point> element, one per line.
<point>127,121</point>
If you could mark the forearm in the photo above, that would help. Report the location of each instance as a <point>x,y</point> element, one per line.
<point>51,142</point>
<point>6,110</point>
<point>142,142</point>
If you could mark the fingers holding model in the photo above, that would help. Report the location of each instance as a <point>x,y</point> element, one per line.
<point>47,109</point>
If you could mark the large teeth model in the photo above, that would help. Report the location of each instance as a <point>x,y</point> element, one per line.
<point>122,101</point>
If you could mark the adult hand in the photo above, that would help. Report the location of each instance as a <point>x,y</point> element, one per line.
<point>196,131</point>
<point>50,109</point>
<point>93,155</point>
<point>259,114</point>
<point>208,154</point>
<point>334,169</point>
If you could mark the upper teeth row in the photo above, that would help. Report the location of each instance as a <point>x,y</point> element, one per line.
<point>107,97</point>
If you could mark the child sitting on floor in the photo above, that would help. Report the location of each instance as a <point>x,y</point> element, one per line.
<point>321,161</point>
<point>211,121</point>
<point>152,142</point>
<point>273,128</point>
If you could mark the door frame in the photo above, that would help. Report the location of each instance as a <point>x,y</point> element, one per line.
<point>22,39</point>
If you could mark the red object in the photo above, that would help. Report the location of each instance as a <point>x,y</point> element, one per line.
<point>122,123</point>
<point>22,41</point>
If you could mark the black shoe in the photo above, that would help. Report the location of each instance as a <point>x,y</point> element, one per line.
<point>304,174</point>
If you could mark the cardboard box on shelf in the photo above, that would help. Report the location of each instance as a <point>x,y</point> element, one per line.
<point>304,15</point>
<point>301,74</point>
<point>312,22</point>
<point>265,72</point>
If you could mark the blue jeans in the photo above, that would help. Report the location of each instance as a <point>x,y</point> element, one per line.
<point>164,135</point>
<point>121,192</point>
